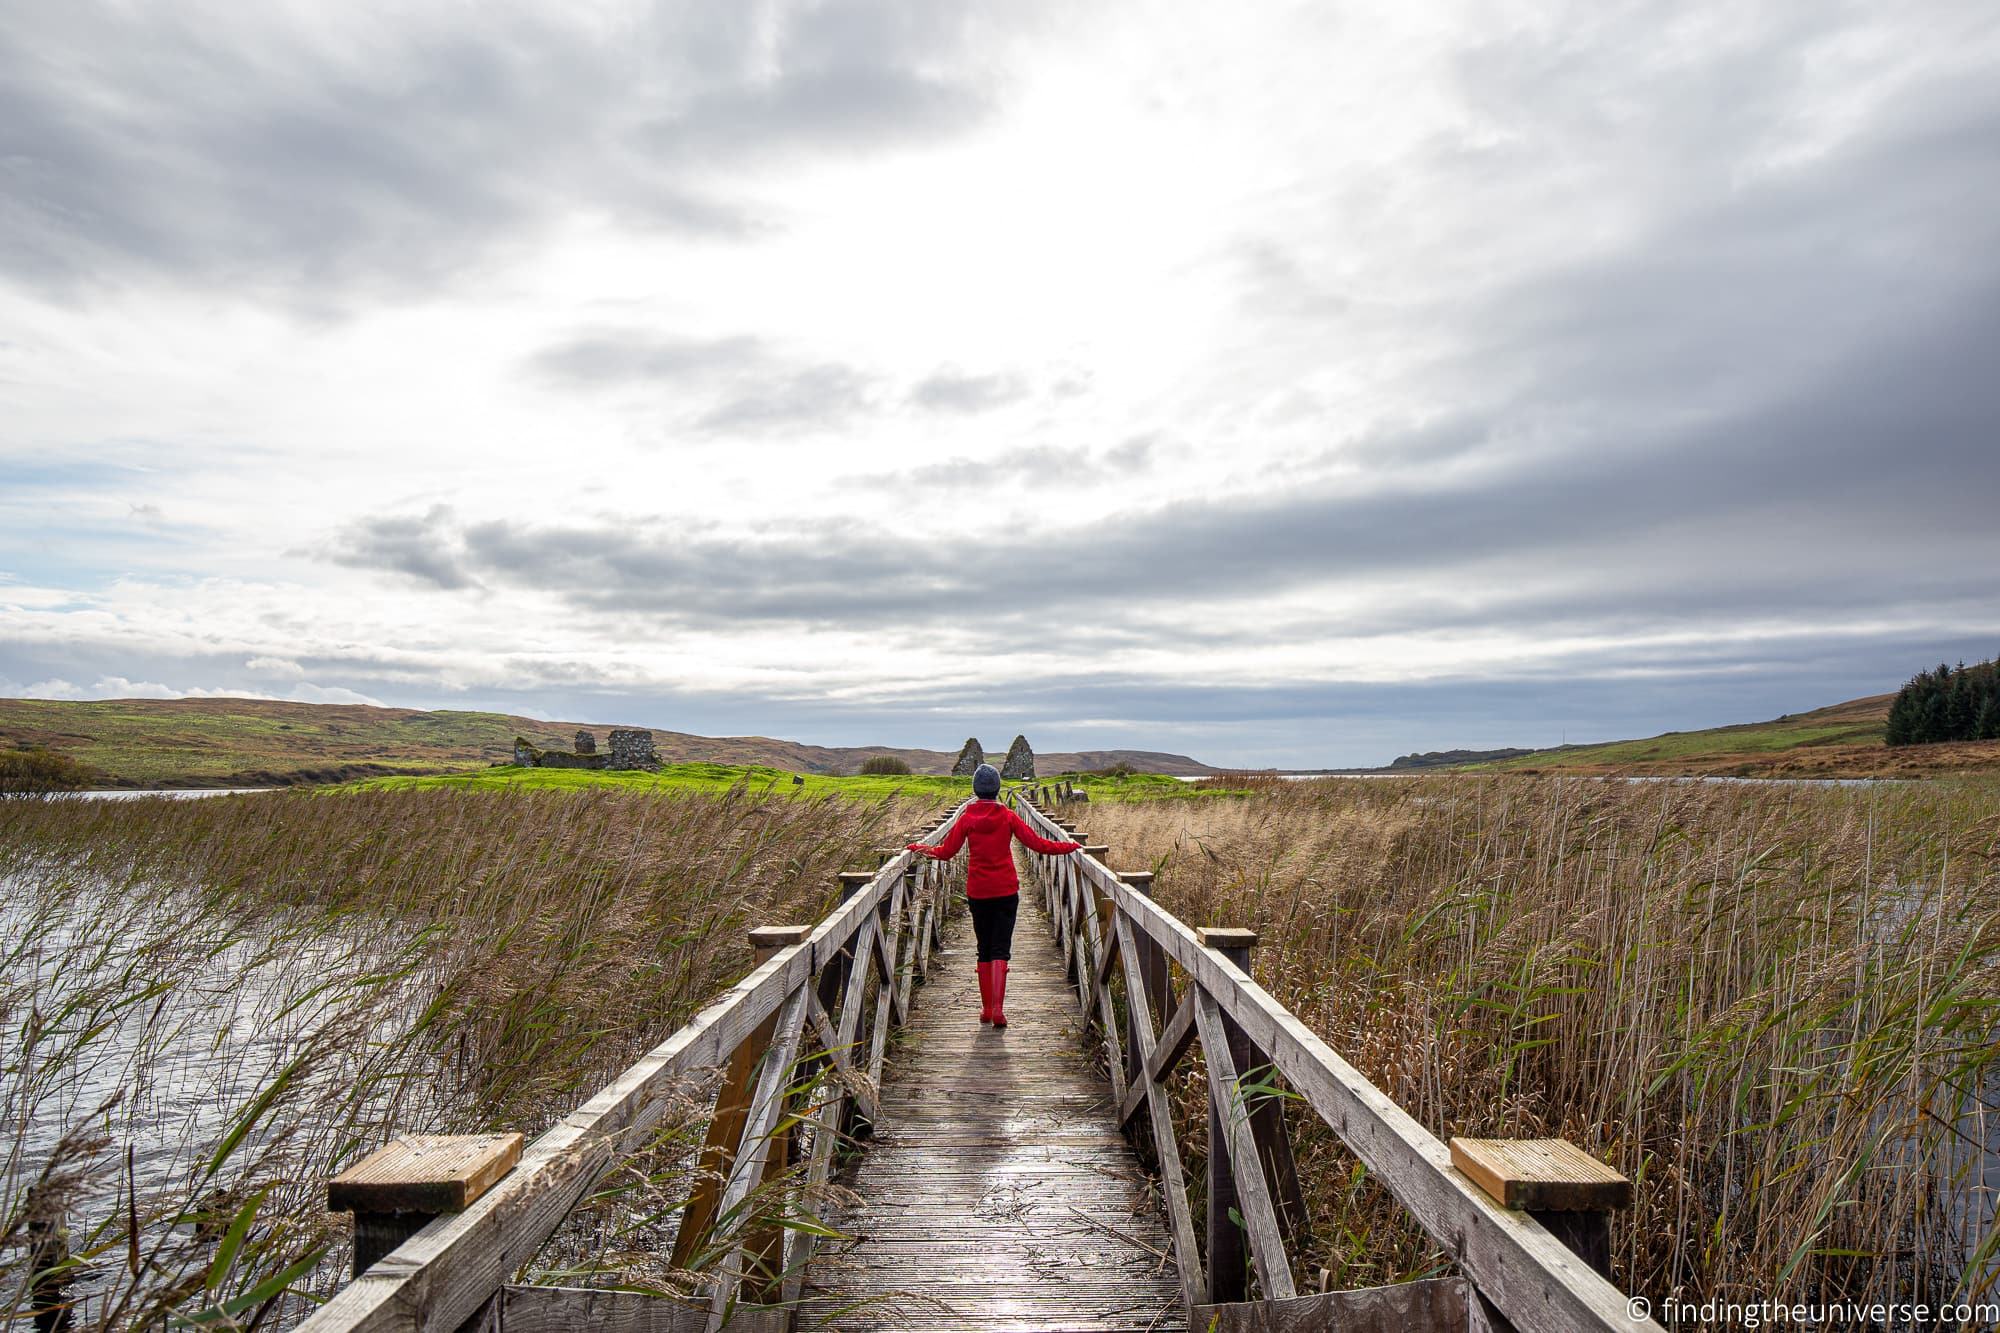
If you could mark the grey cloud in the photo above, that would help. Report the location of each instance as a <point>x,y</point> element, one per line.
<point>750,387</point>
<point>816,396</point>
<point>611,358</point>
<point>952,390</point>
<point>213,147</point>
<point>1674,520</point>
<point>418,547</point>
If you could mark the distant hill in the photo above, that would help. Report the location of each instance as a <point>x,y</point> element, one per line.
<point>1454,758</point>
<point>256,742</point>
<point>1841,740</point>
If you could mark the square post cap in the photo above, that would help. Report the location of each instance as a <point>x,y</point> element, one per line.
<point>425,1173</point>
<point>778,937</point>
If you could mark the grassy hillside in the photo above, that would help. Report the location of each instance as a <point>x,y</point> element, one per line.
<point>256,742</point>
<point>1843,740</point>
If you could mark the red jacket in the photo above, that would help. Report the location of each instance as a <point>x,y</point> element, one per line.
<point>989,826</point>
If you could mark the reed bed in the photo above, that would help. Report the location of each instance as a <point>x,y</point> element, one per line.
<point>209,1007</point>
<point>1773,1007</point>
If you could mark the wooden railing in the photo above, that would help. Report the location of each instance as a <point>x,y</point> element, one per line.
<point>1116,945</point>
<point>824,996</point>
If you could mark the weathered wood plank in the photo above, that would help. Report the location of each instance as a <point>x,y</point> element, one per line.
<point>566,1309</point>
<point>1438,1305</point>
<point>842,1058</point>
<point>1167,1052</point>
<point>1098,996</point>
<point>1173,1183</point>
<point>773,1083</point>
<point>1246,1171</point>
<point>732,1106</point>
<point>996,1195</point>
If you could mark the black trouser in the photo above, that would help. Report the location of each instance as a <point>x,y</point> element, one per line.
<point>993,923</point>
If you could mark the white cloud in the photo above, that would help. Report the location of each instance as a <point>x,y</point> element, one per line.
<point>276,666</point>
<point>47,689</point>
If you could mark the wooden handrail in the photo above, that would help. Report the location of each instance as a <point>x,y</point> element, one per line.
<point>1526,1272</point>
<point>457,1266</point>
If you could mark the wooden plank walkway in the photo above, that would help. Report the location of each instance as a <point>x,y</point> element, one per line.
<point>997,1194</point>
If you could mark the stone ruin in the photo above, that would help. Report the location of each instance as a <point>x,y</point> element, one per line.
<point>969,758</point>
<point>631,747</point>
<point>1020,765</point>
<point>529,755</point>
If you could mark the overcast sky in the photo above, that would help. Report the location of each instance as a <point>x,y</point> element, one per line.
<point>1294,384</point>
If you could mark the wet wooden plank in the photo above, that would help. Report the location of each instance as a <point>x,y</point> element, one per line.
<point>1438,1305</point>
<point>996,1194</point>
<point>565,1309</point>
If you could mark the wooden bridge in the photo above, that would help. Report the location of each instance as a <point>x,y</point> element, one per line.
<point>966,1177</point>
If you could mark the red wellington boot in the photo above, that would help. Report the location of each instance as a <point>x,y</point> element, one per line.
<point>999,974</point>
<point>985,992</point>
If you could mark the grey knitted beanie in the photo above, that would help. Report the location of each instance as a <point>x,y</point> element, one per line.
<point>986,782</point>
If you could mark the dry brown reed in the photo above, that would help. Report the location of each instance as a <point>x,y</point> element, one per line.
<point>210,1006</point>
<point>1774,1006</point>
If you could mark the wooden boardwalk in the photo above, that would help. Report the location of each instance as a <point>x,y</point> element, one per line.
<point>998,1195</point>
<point>998,1191</point>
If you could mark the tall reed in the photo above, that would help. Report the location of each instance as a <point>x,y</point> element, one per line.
<point>1774,1007</point>
<point>210,1006</point>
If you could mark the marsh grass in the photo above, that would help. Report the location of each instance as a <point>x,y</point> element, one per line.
<point>1774,1007</point>
<point>209,1007</point>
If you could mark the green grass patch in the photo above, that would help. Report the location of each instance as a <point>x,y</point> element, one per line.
<point>762,781</point>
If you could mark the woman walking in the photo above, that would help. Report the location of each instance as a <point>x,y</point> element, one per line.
<point>991,887</point>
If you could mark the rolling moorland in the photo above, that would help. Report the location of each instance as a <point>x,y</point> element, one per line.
<point>259,743</point>
<point>252,742</point>
<point>1843,740</point>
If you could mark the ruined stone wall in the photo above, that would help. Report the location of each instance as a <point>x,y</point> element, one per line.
<point>529,755</point>
<point>564,759</point>
<point>969,758</point>
<point>632,747</point>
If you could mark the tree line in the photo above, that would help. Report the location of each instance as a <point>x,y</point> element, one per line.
<point>1959,703</point>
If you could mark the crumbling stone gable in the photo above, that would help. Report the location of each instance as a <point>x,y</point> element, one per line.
<point>969,758</point>
<point>1020,765</point>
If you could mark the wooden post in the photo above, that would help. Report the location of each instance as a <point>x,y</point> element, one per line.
<point>401,1187</point>
<point>765,1246</point>
<point>48,1269</point>
<point>1152,966</point>
<point>833,977</point>
<point>1555,1182</point>
<point>850,968</point>
<point>1228,1269</point>
<point>732,1107</point>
